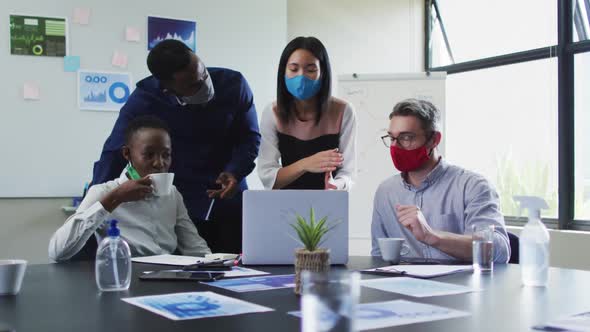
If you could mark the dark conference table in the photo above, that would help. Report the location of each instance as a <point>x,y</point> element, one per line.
<point>64,297</point>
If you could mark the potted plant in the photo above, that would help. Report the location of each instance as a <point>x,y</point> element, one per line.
<point>311,257</point>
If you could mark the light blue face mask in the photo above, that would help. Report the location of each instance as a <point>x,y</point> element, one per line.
<point>302,87</point>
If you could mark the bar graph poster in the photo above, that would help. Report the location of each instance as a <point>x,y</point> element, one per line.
<point>38,36</point>
<point>103,91</point>
<point>160,28</point>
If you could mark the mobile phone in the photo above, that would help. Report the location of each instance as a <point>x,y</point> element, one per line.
<point>182,275</point>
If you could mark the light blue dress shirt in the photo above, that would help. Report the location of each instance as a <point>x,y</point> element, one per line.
<point>452,199</point>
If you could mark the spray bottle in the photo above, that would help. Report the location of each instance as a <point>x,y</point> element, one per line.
<point>534,243</point>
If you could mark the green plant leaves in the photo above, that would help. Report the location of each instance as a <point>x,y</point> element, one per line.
<point>311,233</point>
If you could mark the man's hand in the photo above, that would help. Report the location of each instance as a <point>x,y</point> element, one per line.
<point>128,191</point>
<point>412,218</point>
<point>229,186</point>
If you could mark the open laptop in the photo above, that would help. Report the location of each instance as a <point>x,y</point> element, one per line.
<point>267,236</point>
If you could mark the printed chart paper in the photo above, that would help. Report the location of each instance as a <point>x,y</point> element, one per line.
<point>193,305</point>
<point>393,313</point>
<point>103,91</point>
<point>255,283</point>
<point>577,322</point>
<point>416,287</point>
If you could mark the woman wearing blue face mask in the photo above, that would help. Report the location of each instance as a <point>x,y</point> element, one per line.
<point>308,136</point>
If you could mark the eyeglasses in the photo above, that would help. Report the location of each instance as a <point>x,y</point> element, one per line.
<point>404,140</point>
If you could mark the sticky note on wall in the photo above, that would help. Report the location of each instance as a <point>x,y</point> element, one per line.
<point>132,34</point>
<point>31,91</point>
<point>119,59</point>
<point>82,16</point>
<point>71,63</point>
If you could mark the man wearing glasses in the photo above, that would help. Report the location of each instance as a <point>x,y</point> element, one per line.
<point>432,204</point>
<point>215,137</point>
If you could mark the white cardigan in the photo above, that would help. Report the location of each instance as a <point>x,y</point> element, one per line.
<point>269,155</point>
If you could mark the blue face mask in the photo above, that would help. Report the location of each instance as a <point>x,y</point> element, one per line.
<point>302,87</point>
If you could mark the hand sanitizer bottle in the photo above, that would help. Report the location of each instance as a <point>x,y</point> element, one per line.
<point>534,243</point>
<point>113,262</point>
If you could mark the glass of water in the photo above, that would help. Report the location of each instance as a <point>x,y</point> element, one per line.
<point>483,247</point>
<point>329,301</point>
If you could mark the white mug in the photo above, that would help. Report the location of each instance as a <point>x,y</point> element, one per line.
<point>162,183</point>
<point>12,272</point>
<point>393,248</point>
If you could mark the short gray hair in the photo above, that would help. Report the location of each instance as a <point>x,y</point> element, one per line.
<point>424,110</point>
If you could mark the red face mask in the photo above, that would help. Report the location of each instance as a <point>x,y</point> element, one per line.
<point>408,160</point>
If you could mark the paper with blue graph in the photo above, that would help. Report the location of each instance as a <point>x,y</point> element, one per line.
<point>193,305</point>
<point>576,322</point>
<point>393,313</point>
<point>255,283</point>
<point>416,287</point>
<point>103,91</point>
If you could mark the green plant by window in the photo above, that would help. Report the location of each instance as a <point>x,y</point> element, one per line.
<point>311,232</point>
<point>530,178</point>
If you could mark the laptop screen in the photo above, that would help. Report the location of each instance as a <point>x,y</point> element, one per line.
<point>267,235</point>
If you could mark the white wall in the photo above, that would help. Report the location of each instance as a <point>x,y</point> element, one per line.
<point>372,36</point>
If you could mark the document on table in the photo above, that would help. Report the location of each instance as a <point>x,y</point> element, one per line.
<point>255,283</point>
<point>236,272</point>
<point>577,322</point>
<point>193,305</point>
<point>422,271</point>
<point>176,260</point>
<point>416,287</point>
<point>392,313</point>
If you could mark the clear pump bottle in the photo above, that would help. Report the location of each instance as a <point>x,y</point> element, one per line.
<point>113,262</point>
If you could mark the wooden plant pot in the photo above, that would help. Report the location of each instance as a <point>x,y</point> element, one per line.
<point>315,261</point>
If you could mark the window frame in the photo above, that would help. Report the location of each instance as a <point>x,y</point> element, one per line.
<point>564,51</point>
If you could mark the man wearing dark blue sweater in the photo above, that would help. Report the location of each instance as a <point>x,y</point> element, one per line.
<point>214,132</point>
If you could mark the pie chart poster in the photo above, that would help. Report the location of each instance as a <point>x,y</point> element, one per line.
<point>103,91</point>
<point>38,36</point>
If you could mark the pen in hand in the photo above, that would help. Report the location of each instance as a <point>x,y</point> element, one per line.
<point>210,208</point>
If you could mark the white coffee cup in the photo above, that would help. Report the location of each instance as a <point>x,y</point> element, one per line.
<point>162,183</point>
<point>12,272</point>
<point>392,248</point>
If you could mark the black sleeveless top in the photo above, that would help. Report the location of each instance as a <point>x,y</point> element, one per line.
<point>293,149</point>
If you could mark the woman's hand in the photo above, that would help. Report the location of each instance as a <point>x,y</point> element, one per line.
<point>322,162</point>
<point>328,180</point>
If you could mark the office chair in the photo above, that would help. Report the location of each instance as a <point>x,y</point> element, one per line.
<point>514,248</point>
